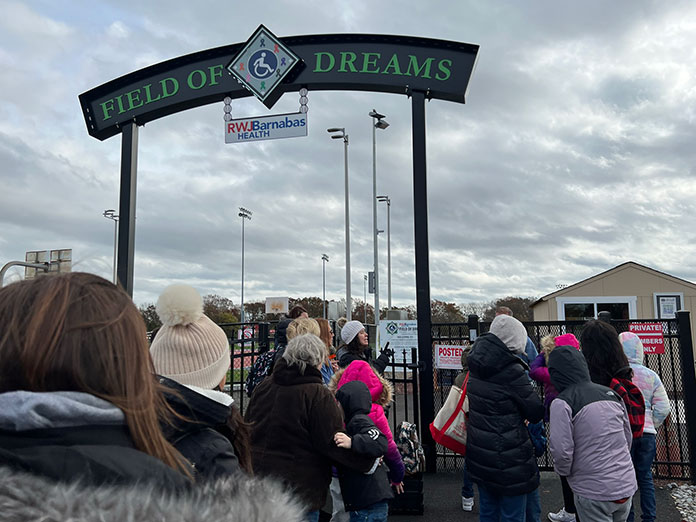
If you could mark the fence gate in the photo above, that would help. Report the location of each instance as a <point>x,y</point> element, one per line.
<point>676,454</point>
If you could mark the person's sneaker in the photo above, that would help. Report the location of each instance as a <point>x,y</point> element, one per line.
<point>468,503</point>
<point>562,516</point>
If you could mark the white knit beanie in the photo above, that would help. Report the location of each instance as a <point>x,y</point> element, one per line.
<point>511,332</point>
<point>189,348</point>
<point>350,330</point>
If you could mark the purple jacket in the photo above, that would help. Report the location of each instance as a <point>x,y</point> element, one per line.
<point>540,373</point>
<point>590,438</point>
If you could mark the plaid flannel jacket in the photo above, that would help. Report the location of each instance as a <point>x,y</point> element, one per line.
<point>635,404</point>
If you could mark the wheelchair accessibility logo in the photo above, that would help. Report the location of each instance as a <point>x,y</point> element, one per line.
<point>262,63</point>
<point>260,68</point>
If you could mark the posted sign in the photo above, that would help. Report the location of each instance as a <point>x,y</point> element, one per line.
<point>448,357</point>
<point>650,335</point>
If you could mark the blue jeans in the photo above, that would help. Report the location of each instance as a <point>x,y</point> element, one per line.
<point>533,507</point>
<point>643,455</point>
<point>467,485</point>
<point>377,512</point>
<point>500,508</point>
<point>313,516</point>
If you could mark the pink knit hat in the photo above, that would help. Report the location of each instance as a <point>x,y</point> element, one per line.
<point>567,340</point>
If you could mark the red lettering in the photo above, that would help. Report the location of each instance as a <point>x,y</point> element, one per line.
<point>239,126</point>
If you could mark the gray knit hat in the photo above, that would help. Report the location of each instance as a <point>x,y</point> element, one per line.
<point>350,330</point>
<point>510,331</point>
<point>189,348</point>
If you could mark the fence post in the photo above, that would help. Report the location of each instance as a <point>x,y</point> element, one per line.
<point>264,331</point>
<point>472,322</point>
<point>689,384</point>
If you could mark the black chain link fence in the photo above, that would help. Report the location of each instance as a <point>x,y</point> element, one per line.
<point>673,459</point>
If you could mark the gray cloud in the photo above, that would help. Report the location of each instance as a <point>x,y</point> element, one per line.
<point>574,152</point>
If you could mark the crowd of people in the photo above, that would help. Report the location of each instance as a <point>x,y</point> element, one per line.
<point>602,407</point>
<point>110,427</point>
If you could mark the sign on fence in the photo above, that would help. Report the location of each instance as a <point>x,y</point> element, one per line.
<point>448,357</point>
<point>650,335</point>
<point>401,335</point>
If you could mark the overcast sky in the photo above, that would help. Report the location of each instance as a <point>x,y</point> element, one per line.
<point>573,154</point>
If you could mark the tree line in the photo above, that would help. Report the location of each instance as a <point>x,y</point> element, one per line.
<point>223,310</point>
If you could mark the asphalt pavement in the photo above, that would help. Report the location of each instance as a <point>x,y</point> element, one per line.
<point>443,501</point>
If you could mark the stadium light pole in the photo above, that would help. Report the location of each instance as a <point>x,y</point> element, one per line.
<point>244,214</point>
<point>111,214</point>
<point>343,136</point>
<point>385,199</point>
<point>324,260</point>
<point>377,123</point>
<point>365,293</point>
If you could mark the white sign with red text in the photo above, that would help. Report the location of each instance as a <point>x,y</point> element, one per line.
<point>448,357</point>
<point>650,335</point>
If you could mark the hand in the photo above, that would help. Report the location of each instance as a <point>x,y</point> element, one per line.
<point>388,352</point>
<point>334,365</point>
<point>399,488</point>
<point>342,440</point>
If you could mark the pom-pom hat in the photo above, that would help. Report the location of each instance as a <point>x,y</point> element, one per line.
<point>350,330</point>
<point>189,348</point>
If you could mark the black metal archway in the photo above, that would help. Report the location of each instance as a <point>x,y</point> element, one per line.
<point>420,68</point>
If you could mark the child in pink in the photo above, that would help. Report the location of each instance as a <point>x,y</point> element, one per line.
<point>381,393</point>
<point>539,370</point>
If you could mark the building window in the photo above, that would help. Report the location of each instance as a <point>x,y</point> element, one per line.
<point>579,311</point>
<point>584,308</point>
<point>618,311</point>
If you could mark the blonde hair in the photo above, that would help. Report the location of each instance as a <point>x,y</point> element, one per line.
<point>302,325</point>
<point>548,344</point>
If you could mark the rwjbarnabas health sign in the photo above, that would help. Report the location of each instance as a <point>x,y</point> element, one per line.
<point>395,64</point>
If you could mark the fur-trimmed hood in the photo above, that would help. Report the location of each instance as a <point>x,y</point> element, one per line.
<point>380,388</point>
<point>231,499</point>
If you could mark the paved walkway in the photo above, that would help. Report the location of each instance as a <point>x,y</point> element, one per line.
<point>443,501</point>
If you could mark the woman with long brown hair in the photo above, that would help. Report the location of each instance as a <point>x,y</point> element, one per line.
<point>330,365</point>
<point>78,400</point>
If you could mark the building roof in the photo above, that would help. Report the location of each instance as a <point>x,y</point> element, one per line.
<point>622,266</point>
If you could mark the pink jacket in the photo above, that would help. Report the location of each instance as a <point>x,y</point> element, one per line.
<point>381,393</point>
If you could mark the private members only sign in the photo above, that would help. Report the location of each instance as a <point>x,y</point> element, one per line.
<point>650,335</point>
<point>266,128</point>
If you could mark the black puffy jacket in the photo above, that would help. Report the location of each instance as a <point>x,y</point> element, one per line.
<point>499,452</point>
<point>345,357</point>
<point>200,435</point>
<point>360,490</point>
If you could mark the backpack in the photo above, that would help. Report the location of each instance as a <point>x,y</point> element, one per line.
<point>262,367</point>
<point>410,447</point>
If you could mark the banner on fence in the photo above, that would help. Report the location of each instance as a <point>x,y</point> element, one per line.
<point>650,335</point>
<point>448,357</point>
<point>401,335</point>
